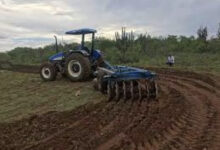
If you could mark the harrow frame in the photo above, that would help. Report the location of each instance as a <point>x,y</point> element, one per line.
<point>126,82</point>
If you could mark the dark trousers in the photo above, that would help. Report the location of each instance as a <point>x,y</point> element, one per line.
<point>170,64</point>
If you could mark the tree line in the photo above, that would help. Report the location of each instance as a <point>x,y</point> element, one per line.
<point>127,47</point>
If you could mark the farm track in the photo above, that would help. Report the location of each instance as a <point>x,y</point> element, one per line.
<point>186,116</point>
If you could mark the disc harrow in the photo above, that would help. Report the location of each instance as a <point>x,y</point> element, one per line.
<point>126,83</point>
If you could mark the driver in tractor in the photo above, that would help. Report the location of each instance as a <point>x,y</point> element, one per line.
<point>81,47</point>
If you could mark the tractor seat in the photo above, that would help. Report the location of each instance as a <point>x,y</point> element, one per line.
<point>80,47</point>
<point>86,49</point>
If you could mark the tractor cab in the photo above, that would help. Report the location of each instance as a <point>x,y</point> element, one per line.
<point>94,55</point>
<point>83,33</point>
<point>82,48</point>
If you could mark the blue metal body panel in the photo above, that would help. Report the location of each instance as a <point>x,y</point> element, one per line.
<point>81,31</point>
<point>123,73</point>
<point>58,56</point>
<point>96,54</point>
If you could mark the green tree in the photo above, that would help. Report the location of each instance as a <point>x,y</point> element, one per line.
<point>218,33</point>
<point>124,42</point>
<point>202,33</point>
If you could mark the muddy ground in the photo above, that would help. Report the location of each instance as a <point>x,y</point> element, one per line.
<point>186,116</point>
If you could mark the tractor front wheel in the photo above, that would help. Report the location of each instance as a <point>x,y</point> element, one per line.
<point>48,72</point>
<point>78,67</point>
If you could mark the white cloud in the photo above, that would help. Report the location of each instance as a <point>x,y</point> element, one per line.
<point>22,20</point>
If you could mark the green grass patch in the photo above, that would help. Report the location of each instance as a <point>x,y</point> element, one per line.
<point>204,62</point>
<point>23,95</point>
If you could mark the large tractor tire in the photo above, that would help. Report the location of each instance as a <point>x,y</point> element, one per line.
<point>48,71</point>
<point>78,67</point>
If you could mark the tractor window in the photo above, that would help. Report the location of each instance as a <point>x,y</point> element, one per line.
<point>70,42</point>
<point>74,42</point>
<point>88,40</point>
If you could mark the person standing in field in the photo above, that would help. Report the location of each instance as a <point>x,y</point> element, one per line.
<point>170,60</point>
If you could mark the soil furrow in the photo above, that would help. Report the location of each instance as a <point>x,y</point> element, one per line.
<point>185,116</point>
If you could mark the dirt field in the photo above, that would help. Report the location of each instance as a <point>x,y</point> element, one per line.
<point>186,116</point>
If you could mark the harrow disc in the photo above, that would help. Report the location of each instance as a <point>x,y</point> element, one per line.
<point>156,88</point>
<point>132,90</point>
<point>153,89</point>
<point>147,90</point>
<point>110,91</point>
<point>100,84</point>
<point>124,91</point>
<point>117,91</point>
<point>140,92</point>
<point>95,84</point>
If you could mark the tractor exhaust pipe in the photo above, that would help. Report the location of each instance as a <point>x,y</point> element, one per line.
<point>56,46</point>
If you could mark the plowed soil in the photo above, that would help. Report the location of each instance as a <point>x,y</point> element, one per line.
<point>186,116</point>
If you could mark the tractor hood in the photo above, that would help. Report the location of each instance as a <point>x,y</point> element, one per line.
<point>58,56</point>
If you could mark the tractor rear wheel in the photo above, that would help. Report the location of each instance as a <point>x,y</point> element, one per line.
<point>77,67</point>
<point>48,72</point>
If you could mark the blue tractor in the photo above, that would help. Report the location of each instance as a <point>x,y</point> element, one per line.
<point>84,63</point>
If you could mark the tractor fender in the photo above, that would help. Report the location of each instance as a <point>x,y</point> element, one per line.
<point>83,52</point>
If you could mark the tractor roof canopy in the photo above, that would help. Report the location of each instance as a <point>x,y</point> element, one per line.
<point>81,31</point>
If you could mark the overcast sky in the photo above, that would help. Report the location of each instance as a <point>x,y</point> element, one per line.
<point>34,22</point>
